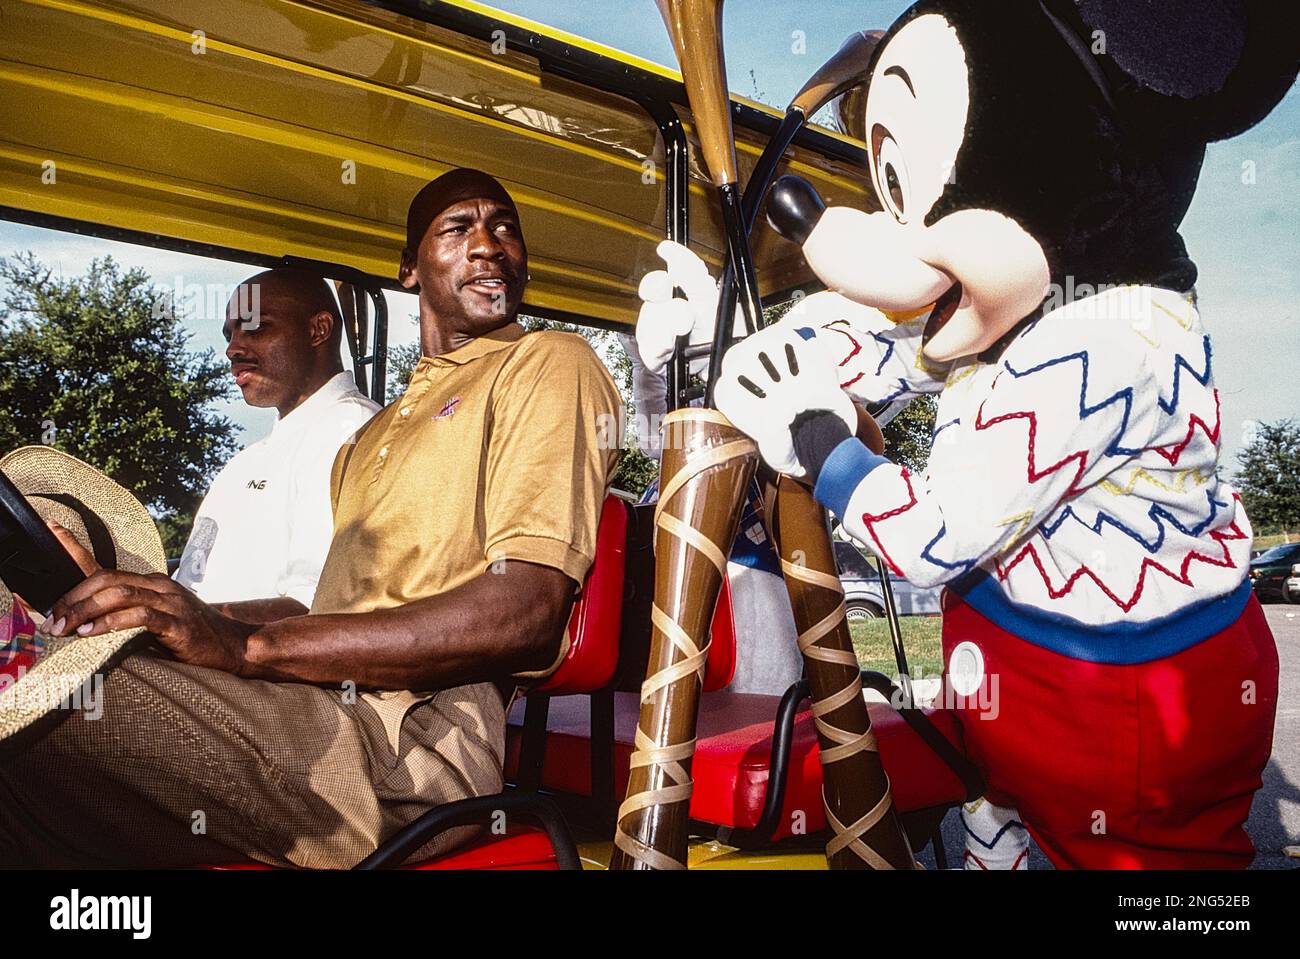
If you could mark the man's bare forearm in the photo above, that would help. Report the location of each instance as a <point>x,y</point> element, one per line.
<point>495,625</point>
<point>260,611</point>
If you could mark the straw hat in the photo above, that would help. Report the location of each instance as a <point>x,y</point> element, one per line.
<point>43,675</point>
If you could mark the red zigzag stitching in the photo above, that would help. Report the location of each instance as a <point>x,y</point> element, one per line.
<point>1172,453</point>
<point>1033,475</point>
<point>1219,536</point>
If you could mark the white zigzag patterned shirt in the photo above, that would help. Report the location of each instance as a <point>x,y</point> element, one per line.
<point>1072,482</point>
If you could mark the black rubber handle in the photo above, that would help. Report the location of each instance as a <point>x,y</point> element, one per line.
<point>793,208</point>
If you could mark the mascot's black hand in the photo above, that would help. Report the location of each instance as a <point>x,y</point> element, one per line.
<point>793,208</point>
<point>816,433</point>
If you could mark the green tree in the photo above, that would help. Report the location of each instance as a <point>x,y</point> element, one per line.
<point>401,363</point>
<point>908,435</point>
<point>92,366</point>
<point>1269,478</point>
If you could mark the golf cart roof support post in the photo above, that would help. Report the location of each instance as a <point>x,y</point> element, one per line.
<point>378,358</point>
<point>677,225</point>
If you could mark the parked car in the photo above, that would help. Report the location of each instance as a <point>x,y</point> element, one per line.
<point>1272,572</point>
<point>863,596</point>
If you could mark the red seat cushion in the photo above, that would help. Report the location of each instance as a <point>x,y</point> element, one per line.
<point>733,758</point>
<point>522,847</point>
<point>597,614</point>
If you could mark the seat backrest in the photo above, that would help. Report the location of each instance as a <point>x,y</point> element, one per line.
<point>720,666</point>
<point>597,617</point>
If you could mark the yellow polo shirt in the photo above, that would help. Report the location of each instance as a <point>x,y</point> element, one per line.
<point>497,450</point>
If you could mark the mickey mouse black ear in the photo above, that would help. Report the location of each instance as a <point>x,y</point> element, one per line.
<point>1209,68</point>
<point>1185,49</point>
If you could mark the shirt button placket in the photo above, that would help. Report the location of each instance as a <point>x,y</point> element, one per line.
<point>414,393</point>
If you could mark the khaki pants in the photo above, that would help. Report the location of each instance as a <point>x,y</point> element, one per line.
<point>189,765</point>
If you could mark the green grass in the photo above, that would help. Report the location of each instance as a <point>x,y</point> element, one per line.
<point>920,643</point>
<point>1268,542</point>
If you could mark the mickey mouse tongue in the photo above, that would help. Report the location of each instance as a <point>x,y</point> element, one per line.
<point>941,313</point>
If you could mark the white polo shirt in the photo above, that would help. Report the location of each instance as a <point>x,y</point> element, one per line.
<point>265,526</point>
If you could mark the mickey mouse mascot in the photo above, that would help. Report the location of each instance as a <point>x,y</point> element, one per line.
<point>1033,159</point>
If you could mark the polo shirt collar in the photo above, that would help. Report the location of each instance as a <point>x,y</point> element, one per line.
<point>498,339</point>
<point>336,387</point>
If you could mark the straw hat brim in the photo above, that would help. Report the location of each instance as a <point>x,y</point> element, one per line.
<point>71,662</point>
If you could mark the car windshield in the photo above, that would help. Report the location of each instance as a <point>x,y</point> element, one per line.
<point>1278,554</point>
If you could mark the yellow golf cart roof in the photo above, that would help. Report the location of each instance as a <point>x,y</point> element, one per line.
<point>256,129</point>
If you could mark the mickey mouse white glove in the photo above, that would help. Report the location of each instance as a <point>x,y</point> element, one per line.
<point>664,317</point>
<point>769,379</point>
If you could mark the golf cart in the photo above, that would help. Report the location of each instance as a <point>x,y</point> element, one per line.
<point>294,132</point>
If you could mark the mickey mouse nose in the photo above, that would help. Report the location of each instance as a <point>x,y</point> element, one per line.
<point>793,208</point>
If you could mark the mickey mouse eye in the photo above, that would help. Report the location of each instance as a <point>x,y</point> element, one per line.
<point>889,167</point>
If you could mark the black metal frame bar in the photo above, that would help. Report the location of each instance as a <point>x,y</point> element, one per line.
<point>377,360</point>
<point>895,632</point>
<point>603,793</point>
<point>783,738</point>
<point>778,772</point>
<point>470,812</point>
<point>962,767</point>
<point>532,744</point>
<point>754,194</point>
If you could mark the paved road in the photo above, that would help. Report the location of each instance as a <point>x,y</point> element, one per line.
<point>1275,816</point>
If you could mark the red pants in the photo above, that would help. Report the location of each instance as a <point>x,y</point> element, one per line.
<point>1147,766</point>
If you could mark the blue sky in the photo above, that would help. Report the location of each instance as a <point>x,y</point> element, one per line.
<point>1243,236</point>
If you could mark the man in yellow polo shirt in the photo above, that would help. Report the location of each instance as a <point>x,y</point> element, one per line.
<point>465,518</point>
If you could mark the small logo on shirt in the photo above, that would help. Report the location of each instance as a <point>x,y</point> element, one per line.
<point>448,408</point>
<point>257,484</point>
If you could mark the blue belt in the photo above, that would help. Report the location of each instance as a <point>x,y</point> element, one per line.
<point>1122,643</point>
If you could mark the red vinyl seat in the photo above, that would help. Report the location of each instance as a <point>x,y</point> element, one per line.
<point>520,848</point>
<point>732,761</point>
<point>597,614</point>
<point>597,619</point>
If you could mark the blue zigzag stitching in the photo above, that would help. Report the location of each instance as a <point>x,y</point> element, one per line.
<point>1085,411</point>
<point>1181,364</point>
<point>935,561</point>
<point>903,389</point>
<point>989,845</point>
<point>939,429</point>
<point>889,351</point>
<point>1156,513</point>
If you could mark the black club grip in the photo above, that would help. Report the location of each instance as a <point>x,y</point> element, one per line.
<point>793,208</point>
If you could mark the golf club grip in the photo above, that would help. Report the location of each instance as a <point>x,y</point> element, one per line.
<point>847,68</point>
<point>845,71</point>
<point>695,27</point>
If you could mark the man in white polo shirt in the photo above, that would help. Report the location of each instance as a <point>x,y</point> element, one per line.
<point>261,534</point>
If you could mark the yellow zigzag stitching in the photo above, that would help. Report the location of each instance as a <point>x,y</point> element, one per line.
<point>1020,518</point>
<point>1180,482</point>
<point>1186,324</point>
